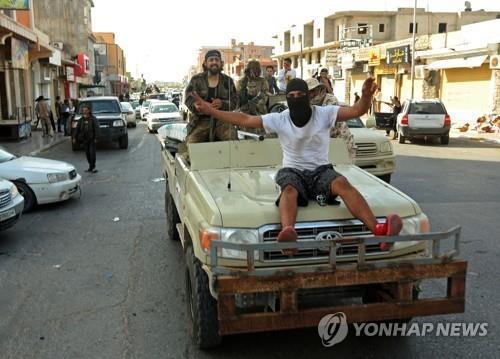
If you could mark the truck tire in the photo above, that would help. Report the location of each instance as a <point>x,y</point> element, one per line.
<point>445,139</point>
<point>172,215</point>
<point>123,142</point>
<point>202,307</point>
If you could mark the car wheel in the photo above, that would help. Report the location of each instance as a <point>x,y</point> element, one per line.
<point>202,307</point>
<point>386,178</point>
<point>445,139</point>
<point>28,195</point>
<point>172,215</point>
<point>123,142</point>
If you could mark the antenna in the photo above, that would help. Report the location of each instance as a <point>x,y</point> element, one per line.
<point>230,144</point>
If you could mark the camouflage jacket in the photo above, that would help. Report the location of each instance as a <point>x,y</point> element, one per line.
<point>253,99</point>
<point>224,90</point>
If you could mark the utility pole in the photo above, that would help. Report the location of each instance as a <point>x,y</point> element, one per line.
<point>413,49</point>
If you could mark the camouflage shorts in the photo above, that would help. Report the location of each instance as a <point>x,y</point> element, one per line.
<point>310,184</point>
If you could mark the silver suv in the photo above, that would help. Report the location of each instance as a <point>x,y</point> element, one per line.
<point>424,118</point>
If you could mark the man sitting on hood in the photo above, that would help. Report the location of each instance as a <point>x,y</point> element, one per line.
<point>304,133</point>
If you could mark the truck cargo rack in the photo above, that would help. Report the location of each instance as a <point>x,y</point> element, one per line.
<point>391,280</point>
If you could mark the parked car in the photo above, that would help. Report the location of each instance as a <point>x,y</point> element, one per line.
<point>161,113</point>
<point>129,113</point>
<point>144,109</point>
<point>11,204</point>
<point>374,151</point>
<point>39,180</point>
<point>108,112</point>
<point>424,118</point>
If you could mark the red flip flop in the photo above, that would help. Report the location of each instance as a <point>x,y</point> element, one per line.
<point>288,234</point>
<point>391,227</point>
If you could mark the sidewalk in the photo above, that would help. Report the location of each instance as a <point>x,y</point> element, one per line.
<point>476,136</point>
<point>33,145</point>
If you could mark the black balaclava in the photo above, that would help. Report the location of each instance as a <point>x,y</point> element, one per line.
<point>300,108</point>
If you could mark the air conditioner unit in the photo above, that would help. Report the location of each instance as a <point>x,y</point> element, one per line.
<point>495,62</point>
<point>420,71</point>
<point>58,45</point>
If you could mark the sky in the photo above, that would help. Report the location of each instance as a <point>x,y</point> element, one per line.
<point>161,38</point>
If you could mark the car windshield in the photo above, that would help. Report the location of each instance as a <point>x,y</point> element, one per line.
<point>126,106</point>
<point>101,106</point>
<point>135,104</point>
<point>146,103</point>
<point>355,123</point>
<point>167,108</point>
<point>426,108</point>
<point>6,156</point>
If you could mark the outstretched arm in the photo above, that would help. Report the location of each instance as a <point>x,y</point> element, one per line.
<point>362,106</point>
<point>235,118</point>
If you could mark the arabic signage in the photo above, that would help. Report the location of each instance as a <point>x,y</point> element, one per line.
<point>374,57</point>
<point>14,4</point>
<point>330,57</point>
<point>398,55</point>
<point>70,73</point>
<point>20,56</point>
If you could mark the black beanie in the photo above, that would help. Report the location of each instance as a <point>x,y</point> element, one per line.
<point>297,85</point>
<point>212,53</point>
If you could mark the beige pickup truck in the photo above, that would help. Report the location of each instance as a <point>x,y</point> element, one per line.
<point>221,207</point>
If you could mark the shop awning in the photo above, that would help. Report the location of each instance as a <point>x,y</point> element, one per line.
<point>469,62</point>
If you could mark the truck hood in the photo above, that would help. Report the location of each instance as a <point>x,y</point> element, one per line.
<point>251,201</point>
<point>367,135</point>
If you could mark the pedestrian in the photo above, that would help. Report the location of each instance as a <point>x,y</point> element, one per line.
<point>65,114</point>
<point>396,110</point>
<point>218,89</point>
<point>307,173</point>
<point>356,97</point>
<point>273,88</point>
<point>286,74</point>
<point>58,106</point>
<point>87,132</point>
<point>325,80</point>
<point>42,110</point>
<point>318,96</point>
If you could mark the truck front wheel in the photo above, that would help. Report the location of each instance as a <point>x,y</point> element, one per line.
<point>202,307</point>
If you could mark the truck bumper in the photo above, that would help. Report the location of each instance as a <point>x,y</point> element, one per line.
<point>301,297</point>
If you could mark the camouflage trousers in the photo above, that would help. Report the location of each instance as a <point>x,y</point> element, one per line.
<point>199,131</point>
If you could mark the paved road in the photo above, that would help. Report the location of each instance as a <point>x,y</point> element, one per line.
<point>76,284</point>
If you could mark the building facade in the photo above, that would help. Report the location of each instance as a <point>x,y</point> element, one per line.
<point>111,64</point>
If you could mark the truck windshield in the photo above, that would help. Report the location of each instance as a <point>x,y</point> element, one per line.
<point>101,106</point>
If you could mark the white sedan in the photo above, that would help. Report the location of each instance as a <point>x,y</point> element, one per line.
<point>161,113</point>
<point>39,180</point>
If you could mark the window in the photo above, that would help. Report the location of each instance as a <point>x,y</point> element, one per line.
<point>293,39</point>
<point>381,27</point>
<point>281,43</point>
<point>300,38</point>
<point>410,30</point>
<point>318,57</point>
<point>318,33</point>
<point>441,27</point>
<point>362,28</point>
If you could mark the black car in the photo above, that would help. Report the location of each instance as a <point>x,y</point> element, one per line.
<point>107,110</point>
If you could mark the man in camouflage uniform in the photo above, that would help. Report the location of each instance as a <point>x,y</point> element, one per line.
<point>319,96</point>
<point>218,89</point>
<point>252,90</point>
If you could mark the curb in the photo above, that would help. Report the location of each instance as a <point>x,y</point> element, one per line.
<point>48,146</point>
<point>473,138</point>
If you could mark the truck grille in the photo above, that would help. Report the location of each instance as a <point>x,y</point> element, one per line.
<point>366,149</point>
<point>72,174</point>
<point>353,228</point>
<point>5,198</point>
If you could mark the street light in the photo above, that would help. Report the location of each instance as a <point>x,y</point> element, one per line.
<point>413,49</point>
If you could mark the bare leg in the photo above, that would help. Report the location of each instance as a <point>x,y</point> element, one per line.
<point>288,206</point>
<point>354,201</point>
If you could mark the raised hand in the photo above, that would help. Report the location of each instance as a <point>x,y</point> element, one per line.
<point>201,105</point>
<point>369,87</point>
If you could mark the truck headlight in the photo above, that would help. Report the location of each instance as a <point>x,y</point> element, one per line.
<point>415,224</point>
<point>385,147</point>
<point>118,123</point>
<point>57,177</point>
<point>13,191</point>
<point>238,236</point>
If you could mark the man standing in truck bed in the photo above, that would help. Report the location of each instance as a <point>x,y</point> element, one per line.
<point>217,89</point>
<point>304,134</point>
